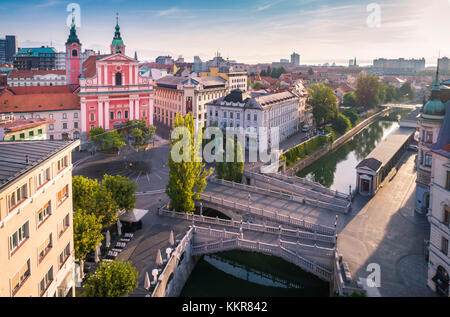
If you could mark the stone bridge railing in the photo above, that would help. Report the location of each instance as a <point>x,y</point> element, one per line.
<point>317,187</point>
<point>263,228</point>
<point>316,201</point>
<point>294,246</point>
<point>271,216</point>
<point>255,246</point>
<point>317,196</point>
<point>171,266</point>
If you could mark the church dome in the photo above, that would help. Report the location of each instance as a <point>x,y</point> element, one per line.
<point>434,107</point>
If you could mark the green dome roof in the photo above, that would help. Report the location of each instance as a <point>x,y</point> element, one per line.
<point>434,107</point>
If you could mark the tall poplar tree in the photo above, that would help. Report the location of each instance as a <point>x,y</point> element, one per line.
<point>187,176</point>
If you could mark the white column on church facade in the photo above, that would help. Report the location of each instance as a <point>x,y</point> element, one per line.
<point>105,76</point>
<point>131,109</point>
<point>136,110</point>
<point>106,115</point>
<point>130,77</point>
<point>100,75</point>
<point>83,117</point>
<point>100,114</point>
<point>150,111</point>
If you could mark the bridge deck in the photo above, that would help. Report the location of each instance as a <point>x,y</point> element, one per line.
<point>272,204</point>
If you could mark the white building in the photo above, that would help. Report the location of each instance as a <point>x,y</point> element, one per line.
<point>439,215</point>
<point>178,95</point>
<point>429,124</point>
<point>26,78</point>
<point>60,63</point>
<point>242,110</point>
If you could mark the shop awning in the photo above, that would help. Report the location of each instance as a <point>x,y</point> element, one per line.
<point>133,216</point>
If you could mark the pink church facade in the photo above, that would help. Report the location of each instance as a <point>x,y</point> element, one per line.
<point>112,91</point>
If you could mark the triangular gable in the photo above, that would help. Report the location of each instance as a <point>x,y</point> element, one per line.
<point>118,57</point>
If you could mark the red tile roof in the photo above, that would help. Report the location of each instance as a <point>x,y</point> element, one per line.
<point>38,98</point>
<point>89,67</point>
<point>30,73</point>
<point>22,124</point>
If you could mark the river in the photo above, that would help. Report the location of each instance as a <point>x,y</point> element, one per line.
<point>238,273</point>
<point>337,170</point>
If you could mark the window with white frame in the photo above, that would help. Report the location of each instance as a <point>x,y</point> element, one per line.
<point>20,277</point>
<point>44,213</point>
<point>16,197</point>
<point>45,248</point>
<point>46,281</point>
<point>18,237</point>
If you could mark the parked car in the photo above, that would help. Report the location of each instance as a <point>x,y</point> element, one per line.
<point>306,128</point>
<point>413,147</point>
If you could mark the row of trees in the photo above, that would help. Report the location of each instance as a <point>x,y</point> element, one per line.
<point>187,178</point>
<point>113,140</point>
<point>232,168</point>
<point>370,92</point>
<point>96,206</point>
<point>273,72</point>
<point>325,108</point>
<point>305,149</point>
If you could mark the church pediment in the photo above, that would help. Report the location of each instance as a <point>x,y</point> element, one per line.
<point>118,58</point>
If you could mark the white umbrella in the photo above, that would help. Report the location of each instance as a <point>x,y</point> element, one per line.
<point>155,276</point>
<point>108,239</point>
<point>159,260</point>
<point>168,253</point>
<point>171,239</point>
<point>119,227</point>
<point>97,252</point>
<point>147,281</point>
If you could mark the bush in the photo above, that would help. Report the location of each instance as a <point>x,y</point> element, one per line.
<point>352,115</point>
<point>341,124</point>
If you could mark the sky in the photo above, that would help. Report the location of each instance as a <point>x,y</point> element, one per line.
<point>249,31</point>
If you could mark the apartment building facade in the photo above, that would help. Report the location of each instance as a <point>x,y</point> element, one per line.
<point>36,222</point>
<point>178,95</point>
<point>243,110</point>
<point>439,215</point>
<point>26,78</point>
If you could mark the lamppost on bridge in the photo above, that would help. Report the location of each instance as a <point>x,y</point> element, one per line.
<point>249,199</point>
<point>201,208</point>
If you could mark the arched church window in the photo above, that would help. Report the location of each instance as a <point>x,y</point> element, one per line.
<point>118,79</point>
<point>74,53</point>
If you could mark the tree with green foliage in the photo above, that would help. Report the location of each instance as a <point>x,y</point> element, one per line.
<point>369,91</point>
<point>257,85</point>
<point>187,175</point>
<point>352,115</point>
<point>107,139</point>
<point>407,91</point>
<point>105,207</point>
<point>341,124</point>
<point>233,167</point>
<point>122,189</point>
<point>86,234</point>
<point>323,102</point>
<point>139,130</point>
<point>111,279</point>
<point>349,100</point>
<point>391,93</point>
<point>310,71</point>
<point>83,191</point>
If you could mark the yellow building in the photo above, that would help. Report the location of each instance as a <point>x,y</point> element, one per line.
<point>236,80</point>
<point>36,231</point>
<point>23,129</point>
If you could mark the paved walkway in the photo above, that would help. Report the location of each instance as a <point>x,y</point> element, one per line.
<point>387,232</point>
<point>272,204</point>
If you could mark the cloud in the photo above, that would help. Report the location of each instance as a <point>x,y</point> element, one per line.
<point>167,12</point>
<point>267,6</point>
<point>49,3</point>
